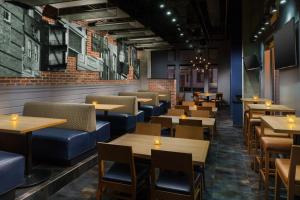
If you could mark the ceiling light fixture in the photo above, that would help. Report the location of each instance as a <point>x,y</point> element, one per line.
<point>259,32</point>
<point>174,20</point>
<point>181,34</point>
<point>282,2</point>
<point>267,23</point>
<point>168,13</point>
<point>162,5</point>
<point>273,9</point>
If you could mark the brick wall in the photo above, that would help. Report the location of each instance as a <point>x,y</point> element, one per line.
<point>70,77</point>
<point>163,85</point>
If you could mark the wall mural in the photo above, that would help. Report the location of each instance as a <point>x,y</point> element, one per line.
<point>29,45</point>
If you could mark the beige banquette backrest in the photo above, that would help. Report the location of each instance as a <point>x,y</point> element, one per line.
<point>129,102</point>
<point>79,116</point>
<point>148,95</point>
<point>167,94</point>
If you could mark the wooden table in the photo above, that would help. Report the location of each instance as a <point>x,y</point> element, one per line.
<point>251,100</point>
<point>214,109</point>
<point>16,136</point>
<point>272,108</point>
<point>281,125</point>
<point>142,100</point>
<point>162,95</point>
<point>207,95</point>
<point>142,145</point>
<point>206,122</point>
<point>107,107</point>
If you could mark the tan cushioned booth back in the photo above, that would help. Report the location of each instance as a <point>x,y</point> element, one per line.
<point>130,103</point>
<point>147,95</point>
<point>165,92</point>
<point>79,116</point>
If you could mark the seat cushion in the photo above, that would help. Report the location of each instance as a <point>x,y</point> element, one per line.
<point>102,133</point>
<point>283,165</point>
<point>277,144</point>
<point>61,144</point>
<point>12,168</point>
<point>120,172</point>
<point>140,117</point>
<point>120,122</point>
<point>175,182</point>
<point>269,132</point>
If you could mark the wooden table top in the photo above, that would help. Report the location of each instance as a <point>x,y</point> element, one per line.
<point>162,95</point>
<point>142,145</point>
<point>214,109</point>
<point>107,106</point>
<point>207,94</point>
<point>273,107</point>
<point>143,100</point>
<point>25,124</point>
<point>205,121</point>
<point>281,124</point>
<point>259,100</point>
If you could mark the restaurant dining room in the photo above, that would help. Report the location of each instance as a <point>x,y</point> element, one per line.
<point>149,99</point>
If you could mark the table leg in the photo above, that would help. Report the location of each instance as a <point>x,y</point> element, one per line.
<point>22,144</point>
<point>105,113</point>
<point>296,139</point>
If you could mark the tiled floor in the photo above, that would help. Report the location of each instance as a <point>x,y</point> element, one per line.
<point>228,173</point>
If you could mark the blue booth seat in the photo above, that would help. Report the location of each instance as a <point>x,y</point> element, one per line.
<point>150,111</point>
<point>66,144</point>
<point>165,105</point>
<point>12,168</point>
<point>72,141</point>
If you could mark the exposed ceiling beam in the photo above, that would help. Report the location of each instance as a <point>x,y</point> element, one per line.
<point>78,3</point>
<point>133,34</point>
<point>41,2</point>
<point>117,26</point>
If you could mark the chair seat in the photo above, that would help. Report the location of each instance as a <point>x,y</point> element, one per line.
<point>269,132</point>
<point>102,133</point>
<point>175,182</point>
<point>283,165</point>
<point>11,171</point>
<point>121,173</point>
<point>276,144</point>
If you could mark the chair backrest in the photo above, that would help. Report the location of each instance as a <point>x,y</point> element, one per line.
<point>165,160</point>
<point>165,122</point>
<point>189,132</point>
<point>166,94</point>
<point>219,96</point>
<point>79,116</point>
<point>148,129</point>
<point>118,154</point>
<point>185,108</point>
<point>295,160</point>
<point>129,102</point>
<point>176,112</point>
<point>147,95</point>
<point>209,104</point>
<point>190,122</point>
<point>188,103</point>
<point>200,113</point>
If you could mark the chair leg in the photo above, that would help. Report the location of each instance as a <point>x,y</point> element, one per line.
<point>267,169</point>
<point>99,192</point>
<point>290,193</point>
<point>277,186</point>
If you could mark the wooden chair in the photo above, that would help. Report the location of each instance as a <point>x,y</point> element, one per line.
<point>190,122</point>
<point>200,113</point>
<point>148,129</point>
<point>164,174</point>
<point>288,173</point>
<point>188,103</point>
<point>189,132</point>
<point>175,112</point>
<point>166,124</point>
<point>122,176</point>
<point>209,104</point>
<point>185,108</point>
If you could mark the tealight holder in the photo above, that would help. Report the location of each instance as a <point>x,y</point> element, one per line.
<point>157,141</point>
<point>95,103</point>
<point>183,117</point>
<point>291,118</point>
<point>255,97</point>
<point>14,117</point>
<point>268,103</point>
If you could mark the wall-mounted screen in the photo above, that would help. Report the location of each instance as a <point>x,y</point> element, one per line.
<point>252,63</point>
<point>285,46</point>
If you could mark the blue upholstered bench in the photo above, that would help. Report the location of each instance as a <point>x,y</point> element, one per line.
<point>72,141</point>
<point>124,119</point>
<point>12,168</point>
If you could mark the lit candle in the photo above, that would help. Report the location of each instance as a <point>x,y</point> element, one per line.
<point>14,117</point>
<point>268,103</point>
<point>94,103</point>
<point>255,97</point>
<point>157,141</point>
<point>291,118</point>
<point>183,116</point>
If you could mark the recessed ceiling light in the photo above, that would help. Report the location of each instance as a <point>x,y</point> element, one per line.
<point>181,34</point>
<point>273,9</point>
<point>174,20</point>
<point>162,5</point>
<point>259,32</point>
<point>168,13</point>
<point>255,36</point>
<point>282,2</point>
<point>263,28</point>
<point>187,41</point>
<point>191,46</point>
<point>267,23</point>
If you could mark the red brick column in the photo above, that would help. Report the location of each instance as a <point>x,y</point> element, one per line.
<point>163,85</point>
